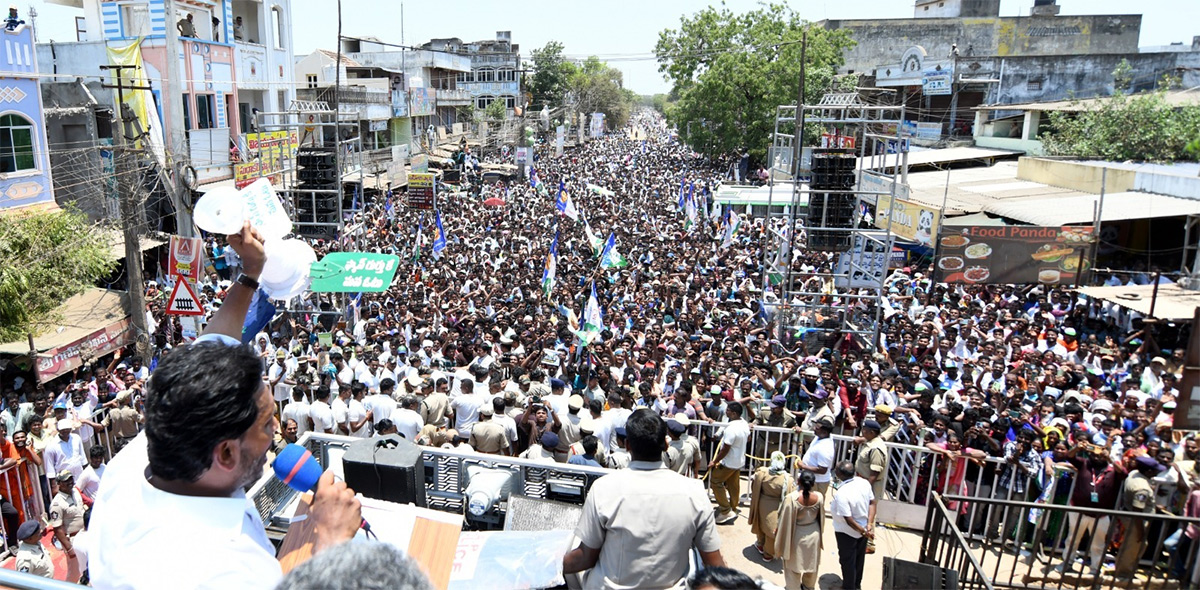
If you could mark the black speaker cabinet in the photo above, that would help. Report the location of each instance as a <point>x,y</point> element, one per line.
<point>387,468</point>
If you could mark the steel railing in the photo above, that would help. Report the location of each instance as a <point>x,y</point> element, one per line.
<point>1040,545</point>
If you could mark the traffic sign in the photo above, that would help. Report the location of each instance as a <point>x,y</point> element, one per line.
<point>184,300</point>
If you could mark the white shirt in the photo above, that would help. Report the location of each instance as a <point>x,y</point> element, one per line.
<point>381,407</point>
<point>66,454</point>
<point>139,530</point>
<point>300,411</point>
<point>356,411</point>
<point>408,423</point>
<point>734,439</point>
<point>466,412</point>
<point>852,499</point>
<point>820,454</point>
<point>89,480</point>
<point>322,417</point>
<point>341,412</point>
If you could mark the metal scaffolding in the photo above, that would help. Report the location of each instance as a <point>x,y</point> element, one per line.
<point>844,296</point>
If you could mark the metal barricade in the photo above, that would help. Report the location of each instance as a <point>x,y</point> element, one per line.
<point>1059,546</point>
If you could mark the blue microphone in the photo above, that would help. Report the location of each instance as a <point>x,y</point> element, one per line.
<point>296,467</point>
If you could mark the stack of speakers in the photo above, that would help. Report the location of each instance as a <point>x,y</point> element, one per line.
<point>831,215</point>
<point>317,172</point>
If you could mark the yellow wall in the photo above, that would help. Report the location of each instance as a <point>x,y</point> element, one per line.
<point>1073,175</point>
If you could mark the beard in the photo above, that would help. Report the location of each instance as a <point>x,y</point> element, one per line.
<point>253,470</point>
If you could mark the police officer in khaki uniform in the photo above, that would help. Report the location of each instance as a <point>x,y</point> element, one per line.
<point>1137,495</point>
<point>487,436</point>
<point>31,556</point>
<point>872,463</point>
<point>66,518</point>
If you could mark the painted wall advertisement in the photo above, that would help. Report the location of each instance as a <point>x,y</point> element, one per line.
<point>910,221</point>
<point>422,193</point>
<point>1013,254</point>
<point>266,155</point>
<point>421,101</point>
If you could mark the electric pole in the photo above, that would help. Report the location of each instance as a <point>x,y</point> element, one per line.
<point>174,136</point>
<point>131,213</point>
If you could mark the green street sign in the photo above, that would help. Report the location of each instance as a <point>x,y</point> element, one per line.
<point>353,272</point>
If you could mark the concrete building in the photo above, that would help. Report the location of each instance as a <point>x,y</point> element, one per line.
<point>495,68</point>
<point>25,179</point>
<point>236,59</point>
<point>958,54</point>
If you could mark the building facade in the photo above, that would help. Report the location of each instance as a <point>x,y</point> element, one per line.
<point>495,68</point>
<point>25,178</point>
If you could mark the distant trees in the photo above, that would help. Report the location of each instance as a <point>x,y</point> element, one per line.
<point>730,72</point>
<point>1141,128</point>
<point>590,86</point>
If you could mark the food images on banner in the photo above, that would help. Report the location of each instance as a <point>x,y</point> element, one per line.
<point>1013,254</point>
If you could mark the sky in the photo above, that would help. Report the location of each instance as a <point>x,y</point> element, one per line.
<point>622,31</point>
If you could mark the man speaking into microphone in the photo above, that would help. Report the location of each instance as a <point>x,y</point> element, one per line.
<point>171,511</point>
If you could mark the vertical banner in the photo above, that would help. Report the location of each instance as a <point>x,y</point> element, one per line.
<point>421,191</point>
<point>560,135</point>
<point>186,259</point>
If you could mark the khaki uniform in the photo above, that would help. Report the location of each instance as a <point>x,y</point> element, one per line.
<point>33,559</point>
<point>434,437</point>
<point>683,459</point>
<point>873,460</point>
<point>890,429</point>
<point>577,449</point>
<point>67,511</point>
<point>1137,495</point>
<point>434,408</point>
<point>488,437</point>
<point>123,423</point>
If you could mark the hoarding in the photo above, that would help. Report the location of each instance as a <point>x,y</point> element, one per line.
<point>266,155</point>
<point>421,101</point>
<point>909,220</point>
<point>422,193</point>
<point>1013,254</point>
<point>186,258</point>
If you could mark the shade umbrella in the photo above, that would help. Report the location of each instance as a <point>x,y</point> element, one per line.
<point>494,202</point>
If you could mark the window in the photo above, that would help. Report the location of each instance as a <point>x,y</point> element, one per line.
<point>80,28</point>
<point>482,102</point>
<point>135,20</point>
<point>277,26</point>
<point>16,144</point>
<point>510,102</point>
<point>312,80</point>
<point>485,76</point>
<point>206,115</point>
<point>187,111</point>
<point>1033,86</point>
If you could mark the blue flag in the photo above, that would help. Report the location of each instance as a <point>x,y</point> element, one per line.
<point>260,313</point>
<point>533,179</point>
<point>682,192</point>
<point>439,234</point>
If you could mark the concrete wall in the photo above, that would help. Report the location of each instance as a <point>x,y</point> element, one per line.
<point>1187,187</point>
<point>883,41</point>
<point>1074,175</point>
<point>1032,147</point>
<point>1040,79</point>
<point>956,8</point>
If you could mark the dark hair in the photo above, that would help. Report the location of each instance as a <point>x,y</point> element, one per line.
<point>321,393</point>
<point>845,470</point>
<point>97,451</point>
<point>387,384</point>
<point>807,481</point>
<point>590,444</point>
<point>357,565</point>
<point>384,424</point>
<point>722,578</point>
<point>498,405</point>
<point>200,395</point>
<point>644,435</point>
<point>735,407</point>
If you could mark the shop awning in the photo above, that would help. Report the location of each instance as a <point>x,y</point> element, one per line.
<point>91,324</point>
<point>1173,303</point>
<point>1078,208</point>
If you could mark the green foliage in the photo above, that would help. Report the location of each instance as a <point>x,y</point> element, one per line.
<point>1141,128</point>
<point>496,111</point>
<point>657,102</point>
<point>48,257</point>
<point>467,112</point>
<point>597,87</point>
<point>551,76</point>
<point>1122,76</point>
<point>730,71</point>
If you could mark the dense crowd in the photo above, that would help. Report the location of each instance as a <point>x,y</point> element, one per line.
<point>1022,392</point>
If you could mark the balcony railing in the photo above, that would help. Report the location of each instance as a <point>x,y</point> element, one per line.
<point>346,95</point>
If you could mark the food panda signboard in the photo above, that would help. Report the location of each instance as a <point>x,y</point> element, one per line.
<point>1021,255</point>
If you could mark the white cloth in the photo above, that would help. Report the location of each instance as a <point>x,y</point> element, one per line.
<point>408,423</point>
<point>298,411</point>
<point>143,537</point>
<point>65,454</point>
<point>89,480</point>
<point>322,417</point>
<point>852,499</point>
<point>820,454</point>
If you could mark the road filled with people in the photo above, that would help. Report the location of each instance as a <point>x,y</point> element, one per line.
<point>607,283</point>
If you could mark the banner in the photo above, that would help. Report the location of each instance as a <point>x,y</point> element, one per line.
<point>910,221</point>
<point>186,258</point>
<point>63,359</point>
<point>421,101</point>
<point>354,272</point>
<point>422,193</point>
<point>867,261</point>
<point>937,83</point>
<point>420,163</point>
<point>266,155</point>
<point>1018,254</point>
<point>522,156</point>
<point>596,126</point>
<point>560,134</point>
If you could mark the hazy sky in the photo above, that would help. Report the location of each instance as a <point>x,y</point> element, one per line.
<point>623,31</point>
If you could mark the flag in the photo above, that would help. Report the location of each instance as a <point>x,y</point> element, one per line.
<point>593,240</point>
<point>593,322</point>
<point>682,193</point>
<point>439,234</point>
<point>732,225</point>
<point>260,314</point>
<point>782,258</point>
<point>690,208</point>
<point>533,179</point>
<point>551,266</point>
<point>564,205</point>
<point>610,258</point>
<point>416,255</point>
<point>387,206</point>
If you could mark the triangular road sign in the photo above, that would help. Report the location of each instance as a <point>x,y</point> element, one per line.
<point>183,299</point>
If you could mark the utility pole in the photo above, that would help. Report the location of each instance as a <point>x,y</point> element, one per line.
<point>953,91</point>
<point>175,144</point>
<point>131,213</point>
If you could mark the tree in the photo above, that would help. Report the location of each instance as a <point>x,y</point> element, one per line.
<point>48,257</point>
<point>730,71</point>
<point>551,75</point>
<point>496,111</point>
<point>597,87</point>
<point>1140,127</point>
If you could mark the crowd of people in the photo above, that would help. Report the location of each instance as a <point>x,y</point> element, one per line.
<point>1018,392</point>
